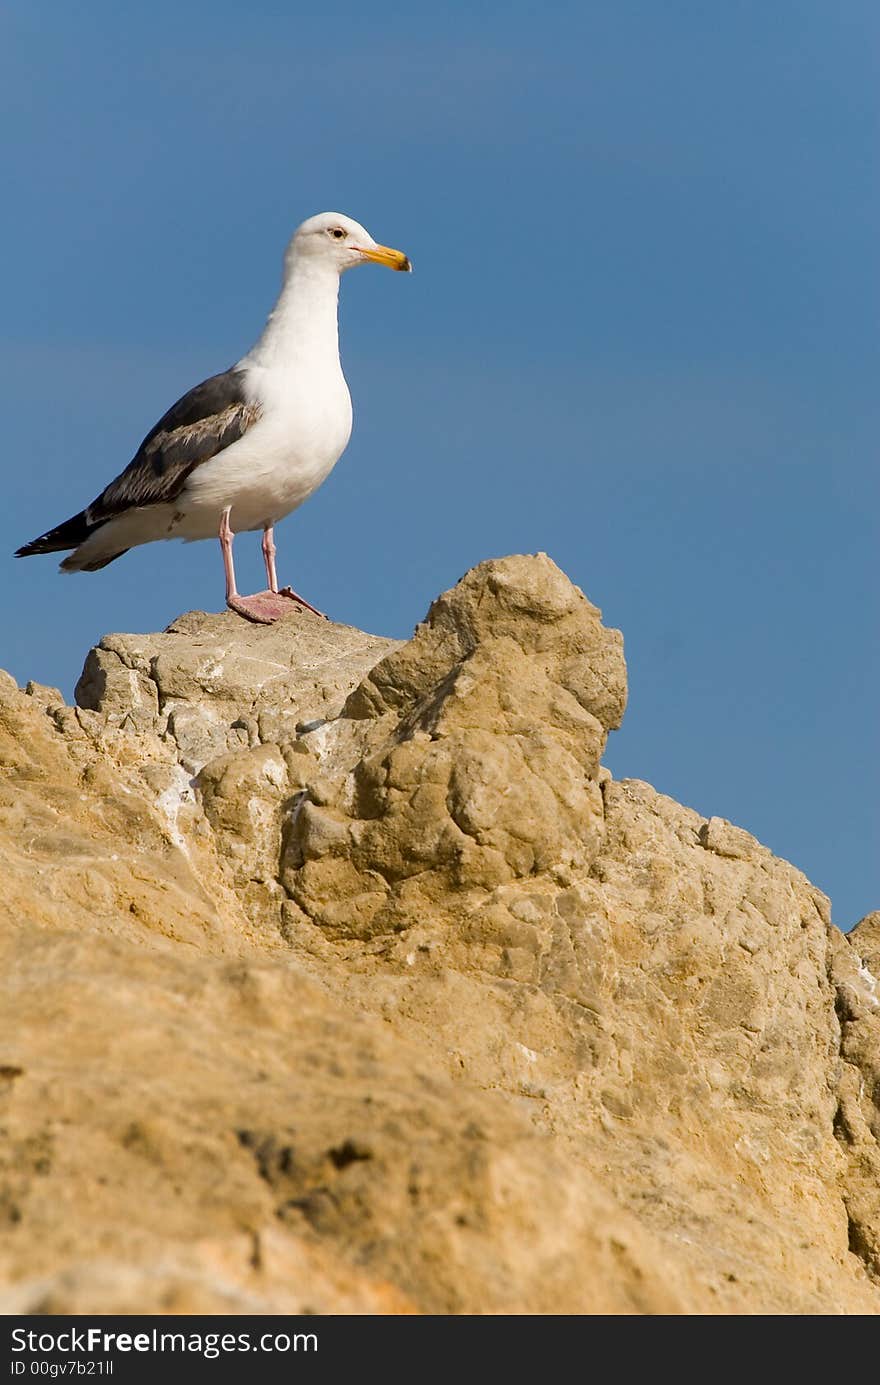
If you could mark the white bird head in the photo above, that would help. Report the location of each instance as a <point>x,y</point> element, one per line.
<point>335,240</point>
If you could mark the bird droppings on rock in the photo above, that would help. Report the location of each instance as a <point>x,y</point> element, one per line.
<point>415,1009</point>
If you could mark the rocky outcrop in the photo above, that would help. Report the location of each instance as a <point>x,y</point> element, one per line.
<point>340,977</point>
<point>205,688</point>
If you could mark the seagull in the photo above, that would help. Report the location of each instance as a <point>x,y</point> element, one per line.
<point>245,447</point>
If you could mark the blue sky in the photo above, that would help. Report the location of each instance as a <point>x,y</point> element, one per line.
<point>641,335</point>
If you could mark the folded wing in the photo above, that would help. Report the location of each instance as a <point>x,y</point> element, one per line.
<point>208,419</point>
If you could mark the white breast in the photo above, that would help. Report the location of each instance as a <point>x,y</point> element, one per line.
<point>279,463</point>
<point>293,375</point>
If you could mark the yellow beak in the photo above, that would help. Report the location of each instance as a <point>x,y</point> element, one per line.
<point>383,254</point>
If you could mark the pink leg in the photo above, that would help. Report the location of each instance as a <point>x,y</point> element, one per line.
<point>225,537</point>
<point>269,558</point>
<point>269,550</point>
<point>263,607</point>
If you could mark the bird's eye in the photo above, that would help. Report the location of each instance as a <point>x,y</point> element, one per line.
<point>337,233</point>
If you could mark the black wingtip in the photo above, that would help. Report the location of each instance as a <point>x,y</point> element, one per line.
<point>70,534</point>
<point>29,550</point>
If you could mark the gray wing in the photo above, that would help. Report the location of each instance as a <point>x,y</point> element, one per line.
<point>204,422</point>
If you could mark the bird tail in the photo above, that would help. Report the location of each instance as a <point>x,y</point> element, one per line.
<point>71,534</point>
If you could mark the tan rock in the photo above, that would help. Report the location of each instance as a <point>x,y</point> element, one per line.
<point>482,767</point>
<point>339,985</point>
<point>214,684</point>
<point>231,1138</point>
<point>525,600</point>
<point>854,973</point>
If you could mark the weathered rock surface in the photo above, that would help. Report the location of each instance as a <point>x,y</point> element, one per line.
<point>207,690</point>
<point>338,976</point>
